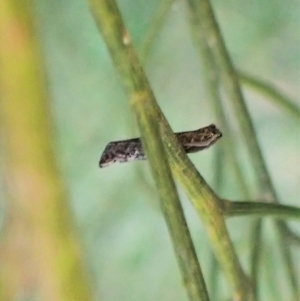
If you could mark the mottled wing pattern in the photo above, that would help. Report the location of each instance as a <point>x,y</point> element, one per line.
<point>131,150</point>
<point>122,151</point>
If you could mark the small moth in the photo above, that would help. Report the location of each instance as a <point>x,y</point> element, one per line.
<point>132,149</point>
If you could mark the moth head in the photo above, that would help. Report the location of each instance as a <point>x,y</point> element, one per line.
<point>211,134</point>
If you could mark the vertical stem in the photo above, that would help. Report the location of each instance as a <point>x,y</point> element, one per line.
<point>40,250</point>
<point>210,28</point>
<point>203,198</point>
<point>117,38</point>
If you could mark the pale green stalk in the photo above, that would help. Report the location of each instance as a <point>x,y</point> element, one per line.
<point>118,41</point>
<point>198,191</point>
<point>40,249</point>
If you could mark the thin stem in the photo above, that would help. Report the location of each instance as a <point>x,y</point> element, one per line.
<point>231,86</point>
<point>272,93</point>
<point>117,38</point>
<point>40,249</point>
<point>203,198</point>
<point>263,209</point>
<point>291,272</point>
<point>263,87</point>
<point>256,254</point>
<point>212,82</point>
<point>207,205</point>
<point>154,27</point>
<point>214,270</point>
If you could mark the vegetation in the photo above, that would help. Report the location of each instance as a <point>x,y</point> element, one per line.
<point>38,222</point>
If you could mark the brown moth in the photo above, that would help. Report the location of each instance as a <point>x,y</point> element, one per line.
<point>132,149</point>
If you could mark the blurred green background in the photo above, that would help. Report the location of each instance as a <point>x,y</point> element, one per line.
<point>125,240</point>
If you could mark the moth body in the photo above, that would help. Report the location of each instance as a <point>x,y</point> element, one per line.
<point>132,149</point>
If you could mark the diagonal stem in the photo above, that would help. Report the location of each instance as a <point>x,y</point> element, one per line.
<point>207,203</point>
<point>109,21</point>
<point>229,78</point>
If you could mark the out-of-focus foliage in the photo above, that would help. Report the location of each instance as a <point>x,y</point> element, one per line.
<point>126,242</point>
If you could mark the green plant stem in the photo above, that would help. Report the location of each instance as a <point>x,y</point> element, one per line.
<point>203,198</point>
<point>214,271</point>
<point>271,92</point>
<point>40,252</point>
<point>212,83</point>
<point>266,89</point>
<point>230,82</point>
<point>207,205</point>
<point>171,207</point>
<point>256,253</point>
<point>109,22</point>
<point>156,23</point>
<point>287,257</point>
<point>263,209</point>
<point>210,29</point>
